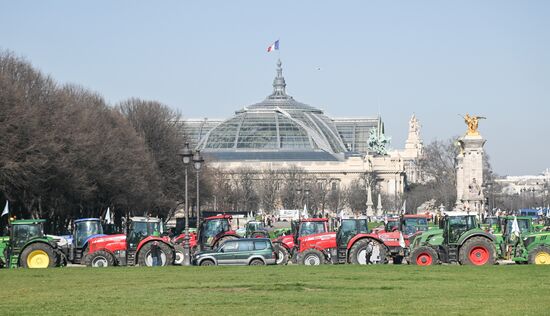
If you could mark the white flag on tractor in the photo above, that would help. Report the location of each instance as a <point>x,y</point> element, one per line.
<point>402,241</point>
<point>404,208</point>
<point>304,213</point>
<point>6,209</point>
<point>109,217</point>
<point>515,227</point>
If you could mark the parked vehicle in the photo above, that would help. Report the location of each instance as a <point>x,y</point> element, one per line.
<point>211,233</point>
<point>245,251</point>
<point>285,245</point>
<point>459,239</point>
<point>404,227</point>
<point>27,246</point>
<point>141,245</point>
<point>83,230</point>
<point>353,243</point>
<point>529,247</point>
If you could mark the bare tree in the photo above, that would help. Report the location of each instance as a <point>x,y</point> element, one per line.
<point>293,181</point>
<point>268,189</point>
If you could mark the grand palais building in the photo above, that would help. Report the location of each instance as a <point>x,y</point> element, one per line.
<point>280,132</point>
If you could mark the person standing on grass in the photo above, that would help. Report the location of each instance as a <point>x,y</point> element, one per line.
<point>155,254</point>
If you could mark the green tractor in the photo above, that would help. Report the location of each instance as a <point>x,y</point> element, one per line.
<point>459,239</point>
<point>530,247</point>
<point>27,246</point>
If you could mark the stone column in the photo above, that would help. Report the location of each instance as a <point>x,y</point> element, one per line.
<point>370,211</point>
<point>379,206</point>
<point>469,174</point>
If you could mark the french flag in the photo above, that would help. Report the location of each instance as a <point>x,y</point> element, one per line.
<point>274,46</point>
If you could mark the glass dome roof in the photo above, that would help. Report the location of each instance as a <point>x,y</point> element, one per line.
<point>279,123</point>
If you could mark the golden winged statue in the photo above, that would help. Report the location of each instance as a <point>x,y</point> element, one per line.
<point>472,122</point>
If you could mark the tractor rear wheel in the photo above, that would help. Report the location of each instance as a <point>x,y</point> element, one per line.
<point>38,255</point>
<point>257,262</point>
<point>99,259</point>
<point>540,255</point>
<point>311,257</point>
<point>424,256</point>
<point>477,251</point>
<point>179,254</point>
<point>282,254</point>
<point>165,258</point>
<point>362,251</point>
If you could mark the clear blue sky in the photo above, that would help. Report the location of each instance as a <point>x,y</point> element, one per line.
<point>208,59</point>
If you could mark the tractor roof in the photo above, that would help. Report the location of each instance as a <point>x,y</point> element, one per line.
<point>456,214</point>
<point>145,219</point>
<point>529,218</point>
<point>85,220</point>
<point>417,216</point>
<point>27,221</point>
<point>314,220</point>
<point>223,216</point>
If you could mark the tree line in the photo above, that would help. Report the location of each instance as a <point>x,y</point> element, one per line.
<point>65,153</point>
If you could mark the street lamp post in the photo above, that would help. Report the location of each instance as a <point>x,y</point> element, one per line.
<point>186,155</point>
<point>197,162</point>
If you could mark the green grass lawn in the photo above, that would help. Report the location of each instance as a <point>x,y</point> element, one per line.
<point>290,290</point>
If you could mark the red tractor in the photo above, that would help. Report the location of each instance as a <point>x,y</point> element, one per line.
<point>408,226</point>
<point>353,243</point>
<point>141,245</point>
<point>212,232</point>
<point>284,245</point>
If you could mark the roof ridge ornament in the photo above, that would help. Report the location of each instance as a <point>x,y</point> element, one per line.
<point>279,84</point>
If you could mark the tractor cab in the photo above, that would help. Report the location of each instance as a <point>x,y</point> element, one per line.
<point>310,226</point>
<point>349,228</point>
<point>455,226</point>
<point>211,231</point>
<point>24,231</point>
<point>140,228</point>
<point>391,224</point>
<point>505,224</point>
<point>28,246</point>
<point>83,230</point>
<point>256,229</point>
<point>412,224</point>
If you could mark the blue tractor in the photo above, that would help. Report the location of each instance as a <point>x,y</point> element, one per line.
<point>77,244</point>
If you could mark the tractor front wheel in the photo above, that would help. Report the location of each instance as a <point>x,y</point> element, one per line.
<point>540,255</point>
<point>38,255</point>
<point>367,251</point>
<point>311,257</point>
<point>477,251</point>
<point>423,256</point>
<point>149,256</point>
<point>99,259</point>
<point>282,254</point>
